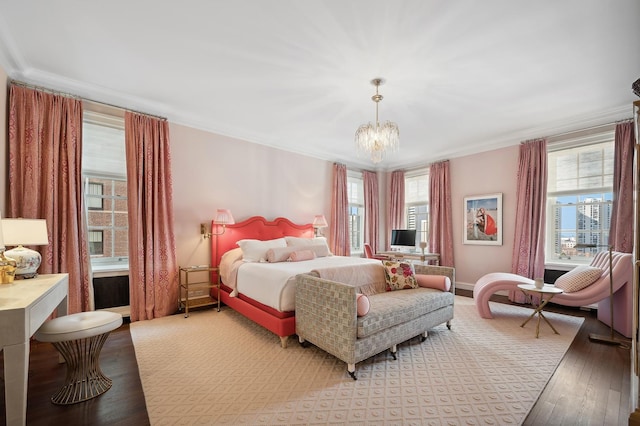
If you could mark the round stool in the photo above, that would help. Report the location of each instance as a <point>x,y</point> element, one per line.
<point>79,339</point>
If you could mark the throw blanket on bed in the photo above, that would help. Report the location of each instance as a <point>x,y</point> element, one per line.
<point>369,278</point>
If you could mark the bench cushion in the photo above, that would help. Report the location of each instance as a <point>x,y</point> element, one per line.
<point>78,326</point>
<point>396,307</point>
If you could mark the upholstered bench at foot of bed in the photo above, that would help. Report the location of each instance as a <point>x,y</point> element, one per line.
<point>491,283</point>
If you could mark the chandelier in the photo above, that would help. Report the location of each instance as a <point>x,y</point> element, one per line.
<point>375,139</point>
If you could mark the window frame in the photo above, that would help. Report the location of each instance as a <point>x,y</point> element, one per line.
<point>422,234</point>
<point>356,204</point>
<point>111,203</point>
<point>569,256</point>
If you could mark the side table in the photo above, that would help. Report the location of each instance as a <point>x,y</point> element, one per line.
<point>190,295</point>
<point>546,290</point>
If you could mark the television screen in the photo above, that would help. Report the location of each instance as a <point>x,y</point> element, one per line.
<point>403,237</point>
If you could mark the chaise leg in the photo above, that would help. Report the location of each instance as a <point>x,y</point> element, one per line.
<point>449,324</point>
<point>303,342</point>
<point>424,336</point>
<point>351,369</point>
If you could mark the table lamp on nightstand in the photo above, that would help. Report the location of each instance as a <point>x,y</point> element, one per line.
<point>7,264</point>
<point>25,232</point>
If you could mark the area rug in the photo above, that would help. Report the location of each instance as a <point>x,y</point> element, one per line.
<point>220,368</point>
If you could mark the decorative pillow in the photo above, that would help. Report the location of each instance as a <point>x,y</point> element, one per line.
<point>279,254</point>
<point>439,282</point>
<point>321,250</point>
<point>362,304</point>
<point>300,255</point>
<point>303,242</point>
<point>578,278</point>
<point>256,250</point>
<point>399,275</point>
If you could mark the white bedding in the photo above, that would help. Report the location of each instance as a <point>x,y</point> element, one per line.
<point>273,284</point>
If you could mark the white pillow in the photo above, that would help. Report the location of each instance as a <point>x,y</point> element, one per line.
<point>304,242</point>
<point>578,278</point>
<point>256,250</point>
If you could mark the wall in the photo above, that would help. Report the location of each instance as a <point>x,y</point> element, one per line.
<point>212,171</point>
<point>485,173</point>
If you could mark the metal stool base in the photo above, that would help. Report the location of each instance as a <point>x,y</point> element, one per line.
<point>84,379</point>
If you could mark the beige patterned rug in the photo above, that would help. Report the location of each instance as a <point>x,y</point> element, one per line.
<point>219,368</point>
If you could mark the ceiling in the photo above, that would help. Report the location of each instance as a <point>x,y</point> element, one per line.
<point>461,76</point>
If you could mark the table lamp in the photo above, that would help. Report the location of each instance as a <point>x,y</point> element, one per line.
<point>319,221</point>
<point>25,232</point>
<point>7,264</point>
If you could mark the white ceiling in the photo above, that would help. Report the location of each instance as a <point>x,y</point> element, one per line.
<point>461,76</point>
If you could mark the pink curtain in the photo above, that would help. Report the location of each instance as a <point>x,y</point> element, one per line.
<point>440,214</point>
<point>621,228</point>
<point>339,230</point>
<point>153,268</point>
<point>395,216</point>
<point>371,203</point>
<point>531,195</point>
<point>45,177</point>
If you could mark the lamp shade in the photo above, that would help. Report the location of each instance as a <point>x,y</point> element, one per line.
<point>224,217</point>
<point>26,232</point>
<point>319,221</point>
<point>19,232</point>
<point>1,235</point>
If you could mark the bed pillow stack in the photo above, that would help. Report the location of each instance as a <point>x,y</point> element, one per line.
<point>256,250</point>
<point>283,249</point>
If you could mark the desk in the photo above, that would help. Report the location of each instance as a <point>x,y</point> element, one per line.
<point>550,291</point>
<point>400,255</point>
<point>24,306</point>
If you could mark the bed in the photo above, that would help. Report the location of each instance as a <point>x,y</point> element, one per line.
<point>247,290</point>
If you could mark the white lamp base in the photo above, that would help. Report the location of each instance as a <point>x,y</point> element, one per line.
<point>27,261</point>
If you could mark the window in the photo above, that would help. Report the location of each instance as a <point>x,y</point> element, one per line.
<point>96,243</point>
<point>579,200</point>
<point>416,203</point>
<point>105,189</point>
<point>355,194</point>
<point>93,196</point>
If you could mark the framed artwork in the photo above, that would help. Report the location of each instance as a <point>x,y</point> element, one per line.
<point>483,220</point>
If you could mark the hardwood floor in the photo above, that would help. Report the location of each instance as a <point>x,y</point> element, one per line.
<point>590,386</point>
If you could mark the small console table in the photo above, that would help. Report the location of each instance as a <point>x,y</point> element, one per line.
<point>25,304</point>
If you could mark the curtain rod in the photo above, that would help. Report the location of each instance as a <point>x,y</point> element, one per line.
<point>586,129</point>
<point>73,96</point>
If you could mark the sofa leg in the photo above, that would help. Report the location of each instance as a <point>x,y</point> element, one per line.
<point>393,349</point>
<point>284,341</point>
<point>302,342</point>
<point>424,336</point>
<point>449,324</point>
<point>351,368</point>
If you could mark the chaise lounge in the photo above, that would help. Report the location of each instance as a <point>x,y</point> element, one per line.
<point>598,292</point>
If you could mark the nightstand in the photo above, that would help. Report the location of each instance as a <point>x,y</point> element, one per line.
<point>195,288</point>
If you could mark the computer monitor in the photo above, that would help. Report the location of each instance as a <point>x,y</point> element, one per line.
<point>403,238</point>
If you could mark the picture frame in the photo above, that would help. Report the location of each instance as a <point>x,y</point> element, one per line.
<point>483,219</point>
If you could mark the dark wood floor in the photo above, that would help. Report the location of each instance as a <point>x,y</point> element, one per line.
<point>591,385</point>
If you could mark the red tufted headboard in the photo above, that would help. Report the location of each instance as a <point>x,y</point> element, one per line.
<point>256,227</point>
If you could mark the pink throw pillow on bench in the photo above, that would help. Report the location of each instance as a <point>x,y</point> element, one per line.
<point>362,304</point>
<point>438,282</point>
